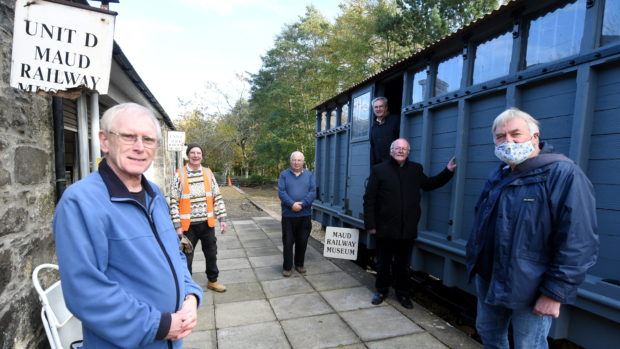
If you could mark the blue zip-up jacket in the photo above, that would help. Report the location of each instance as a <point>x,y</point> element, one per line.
<point>545,231</point>
<point>293,188</point>
<point>121,269</point>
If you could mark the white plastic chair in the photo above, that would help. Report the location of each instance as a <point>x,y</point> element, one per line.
<point>64,331</point>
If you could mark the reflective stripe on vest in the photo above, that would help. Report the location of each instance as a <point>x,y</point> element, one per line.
<point>185,207</point>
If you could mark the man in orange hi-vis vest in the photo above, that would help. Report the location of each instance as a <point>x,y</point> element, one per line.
<point>195,203</point>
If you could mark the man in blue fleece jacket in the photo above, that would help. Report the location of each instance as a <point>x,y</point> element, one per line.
<point>122,272</point>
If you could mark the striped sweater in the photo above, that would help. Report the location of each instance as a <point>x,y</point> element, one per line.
<point>197,198</point>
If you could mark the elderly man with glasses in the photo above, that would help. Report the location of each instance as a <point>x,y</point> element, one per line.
<point>122,272</point>
<point>391,215</point>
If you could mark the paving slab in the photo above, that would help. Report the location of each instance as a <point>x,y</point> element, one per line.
<point>200,278</point>
<point>272,272</point>
<point>266,335</point>
<point>418,341</point>
<point>239,292</point>
<point>223,245</point>
<point>326,308</point>
<point>243,221</point>
<point>322,331</point>
<point>233,263</point>
<point>353,346</point>
<point>286,287</point>
<point>299,305</point>
<point>226,237</point>
<point>320,267</point>
<point>379,323</point>
<point>258,243</point>
<point>200,340</point>
<point>313,255</point>
<point>265,261</point>
<point>206,318</point>
<point>230,253</point>
<point>262,251</point>
<point>331,281</point>
<point>257,235</point>
<point>349,298</point>
<point>255,311</point>
<point>207,297</point>
<point>235,276</point>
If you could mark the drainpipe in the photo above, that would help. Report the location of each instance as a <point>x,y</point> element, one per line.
<point>82,136</point>
<point>59,146</point>
<point>95,150</point>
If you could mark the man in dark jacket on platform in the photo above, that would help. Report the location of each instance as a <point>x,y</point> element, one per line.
<point>391,214</point>
<point>533,238</point>
<point>385,129</point>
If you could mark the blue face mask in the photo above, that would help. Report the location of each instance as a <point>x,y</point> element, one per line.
<point>514,153</point>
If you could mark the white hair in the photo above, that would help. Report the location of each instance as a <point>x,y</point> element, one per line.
<point>107,120</point>
<point>514,113</point>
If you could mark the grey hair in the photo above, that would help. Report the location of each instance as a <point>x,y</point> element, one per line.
<point>293,153</point>
<point>514,113</point>
<point>393,145</point>
<point>380,98</point>
<point>107,120</point>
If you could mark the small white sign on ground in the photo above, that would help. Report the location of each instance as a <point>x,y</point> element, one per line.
<point>176,141</point>
<point>341,243</point>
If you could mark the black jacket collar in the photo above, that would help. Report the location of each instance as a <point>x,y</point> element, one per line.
<point>116,188</point>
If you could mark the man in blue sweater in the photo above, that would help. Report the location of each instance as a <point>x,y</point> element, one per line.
<point>297,190</point>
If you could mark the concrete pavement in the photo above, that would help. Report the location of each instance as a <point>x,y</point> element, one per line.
<point>326,308</point>
<point>329,307</point>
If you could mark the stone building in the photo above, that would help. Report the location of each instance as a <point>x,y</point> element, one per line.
<point>39,156</point>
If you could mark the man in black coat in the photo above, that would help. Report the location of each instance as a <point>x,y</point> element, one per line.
<point>385,129</point>
<point>391,214</point>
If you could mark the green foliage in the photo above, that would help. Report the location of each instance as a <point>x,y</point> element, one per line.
<point>313,59</point>
<point>426,21</point>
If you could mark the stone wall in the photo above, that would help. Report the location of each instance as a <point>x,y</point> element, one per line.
<point>27,200</point>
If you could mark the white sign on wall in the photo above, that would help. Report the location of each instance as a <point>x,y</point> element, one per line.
<point>341,243</point>
<point>57,47</point>
<point>176,141</point>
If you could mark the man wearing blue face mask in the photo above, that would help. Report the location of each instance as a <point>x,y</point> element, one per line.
<point>533,238</point>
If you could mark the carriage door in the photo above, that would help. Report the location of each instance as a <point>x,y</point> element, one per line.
<point>359,154</point>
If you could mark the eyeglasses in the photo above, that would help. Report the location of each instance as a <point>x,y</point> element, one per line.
<point>400,149</point>
<point>130,139</point>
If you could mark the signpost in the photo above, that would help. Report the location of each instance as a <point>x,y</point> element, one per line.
<point>176,141</point>
<point>59,46</point>
<point>341,243</point>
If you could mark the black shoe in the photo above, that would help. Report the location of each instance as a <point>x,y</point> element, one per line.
<point>405,301</point>
<point>378,298</point>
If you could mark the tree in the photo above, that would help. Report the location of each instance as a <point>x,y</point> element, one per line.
<point>426,21</point>
<point>290,82</point>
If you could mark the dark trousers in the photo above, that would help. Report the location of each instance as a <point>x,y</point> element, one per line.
<point>208,241</point>
<point>295,231</point>
<point>393,257</point>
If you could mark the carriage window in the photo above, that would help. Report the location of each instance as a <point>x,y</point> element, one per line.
<point>344,114</point>
<point>323,120</point>
<point>332,119</point>
<point>449,75</point>
<point>493,58</point>
<point>611,22</point>
<point>419,84</point>
<point>361,111</point>
<point>556,35</point>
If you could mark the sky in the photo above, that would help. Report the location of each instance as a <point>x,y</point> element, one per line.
<point>179,46</point>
